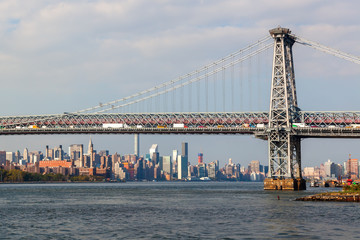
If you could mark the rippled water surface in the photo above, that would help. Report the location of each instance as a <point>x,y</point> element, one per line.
<point>169,210</point>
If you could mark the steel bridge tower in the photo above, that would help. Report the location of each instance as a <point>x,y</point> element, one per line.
<point>283,144</point>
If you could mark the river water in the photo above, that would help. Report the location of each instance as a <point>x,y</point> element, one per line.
<point>170,210</point>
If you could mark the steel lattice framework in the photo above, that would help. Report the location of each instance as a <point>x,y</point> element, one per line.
<point>317,124</point>
<point>284,147</point>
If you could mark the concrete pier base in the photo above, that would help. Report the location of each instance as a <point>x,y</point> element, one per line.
<point>285,184</point>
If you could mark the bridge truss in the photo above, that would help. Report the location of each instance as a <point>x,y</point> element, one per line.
<point>316,124</point>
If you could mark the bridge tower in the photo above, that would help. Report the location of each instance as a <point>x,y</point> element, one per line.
<point>283,144</point>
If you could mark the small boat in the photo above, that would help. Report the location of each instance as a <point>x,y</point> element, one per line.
<point>314,184</point>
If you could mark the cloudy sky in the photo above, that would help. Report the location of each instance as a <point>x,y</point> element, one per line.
<point>62,56</point>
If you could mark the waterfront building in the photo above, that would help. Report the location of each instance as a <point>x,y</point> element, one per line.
<point>229,168</point>
<point>254,177</point>
<point>308,172</point>
<point>201,167</point>
<point>322,171</point>
<point>149,170</point>
<point>338,170</point>
<point>120,172</point>
<point>10,156</point>
<point>237,173</point>
<point>130,169</point>
<point>2,157</point>
<point>192,171</point>
<point>182,167</point>
<point>352,167</point>
<point>174,159</point>
<point>329,168</point>
<point>140,169</point>
<point>255,166</point>
<point>157,172</point>
<point>212,169</point>
<point>166,164</point>
<point>55,163</point>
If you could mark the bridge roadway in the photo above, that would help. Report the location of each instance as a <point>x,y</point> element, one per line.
<point>314,124</point>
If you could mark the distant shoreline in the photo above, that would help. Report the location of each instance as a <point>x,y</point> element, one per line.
<point>45,182</point>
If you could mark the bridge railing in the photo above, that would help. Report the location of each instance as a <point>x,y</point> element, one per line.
<point>136,120</point>
<point>331,118</point>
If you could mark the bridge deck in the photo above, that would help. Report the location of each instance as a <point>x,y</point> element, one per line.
<point>315,124</point>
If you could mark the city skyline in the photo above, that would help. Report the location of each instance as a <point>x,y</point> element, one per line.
<point>192,155</point>
<point>81,162</point>
<point>92,165</point>
<point>80,65</point>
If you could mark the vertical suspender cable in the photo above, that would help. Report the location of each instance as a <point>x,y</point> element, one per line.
<point>258,83</point>
<point>206,91</point>
<point>250,84</point>
<point>223,88</point>
<point>182,99</point>
<point>190,97</point>
<point>232,86</point>
<point>214,78</point>
<point>198,96</point>
<point>173,99</point>
<point>165,100</point>
<point>241,87</point>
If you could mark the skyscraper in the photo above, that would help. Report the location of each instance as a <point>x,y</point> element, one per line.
<point>58,153</point>
<point>153,149</point>
<point>213,169</point>
<point>74,151</point>
<point>10,156</point>
<point>91,153</point>
<point>90,147</point>
<point>200,158</point>
<point>154,154</point>
<point>2,157</point>
<point>26,155</point>
<point>184,149</point>
<point>137,145</point>
<point>255,166</point>
<point>174,156</point>
<point>166,164</point>
<point>183,161</point>
<point>201,167</point>
<point>329,167</point>
<point>182,167</point>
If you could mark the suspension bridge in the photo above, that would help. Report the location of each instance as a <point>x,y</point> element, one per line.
<point>205,101</point>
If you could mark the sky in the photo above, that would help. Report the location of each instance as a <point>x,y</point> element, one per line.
<point>63,56</point>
